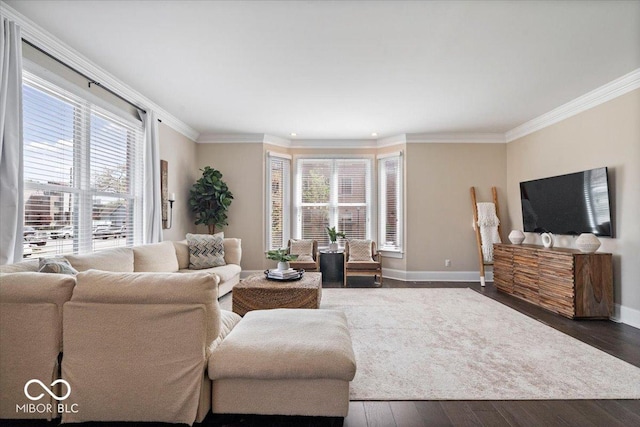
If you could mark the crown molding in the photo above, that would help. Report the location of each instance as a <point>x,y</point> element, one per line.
<point>46,41</point>
<point>277,141</point>
<point>598,96</point>
<point>392,140</point>
<point>334,143</point>
<point>231,138</point>
<point>428,138</point>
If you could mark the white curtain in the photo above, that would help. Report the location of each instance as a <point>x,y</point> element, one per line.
<point>152,231</point>
<point>11,185</point>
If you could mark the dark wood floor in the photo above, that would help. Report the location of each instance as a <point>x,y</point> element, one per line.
<point>619,340</point>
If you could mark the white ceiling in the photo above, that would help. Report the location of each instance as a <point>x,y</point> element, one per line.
<point>342,70</point>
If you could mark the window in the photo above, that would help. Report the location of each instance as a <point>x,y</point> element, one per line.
<point>333,192</point>
<point>82,173</point>
<point>390,196</point>
<point>278,206</point>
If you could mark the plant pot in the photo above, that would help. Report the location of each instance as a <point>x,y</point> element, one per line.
<point>283,265</point>
<point>333,246</point>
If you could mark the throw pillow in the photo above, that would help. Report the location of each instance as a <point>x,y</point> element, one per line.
<point>205,250</point>
<point>360,250</point>
<point>301,247</point>
<point>57,265</point>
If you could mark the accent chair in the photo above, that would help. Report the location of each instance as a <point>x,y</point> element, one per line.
<point>361,259</point>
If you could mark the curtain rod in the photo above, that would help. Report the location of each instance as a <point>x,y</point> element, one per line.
<point>91,81</point>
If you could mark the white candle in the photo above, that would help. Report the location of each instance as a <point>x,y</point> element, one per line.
<point>172,197</point>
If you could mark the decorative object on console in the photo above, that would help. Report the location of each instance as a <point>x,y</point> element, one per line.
<point>333,238</point>
<point>209,199</point>
<point>282,256</point>
<point>587,243</point>
<point>547,240</point>
<point>516,237</point>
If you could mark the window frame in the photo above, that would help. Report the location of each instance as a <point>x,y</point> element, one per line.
<point>87,108</point>
<point>286,202</point>
<point>397,250</point>
<point>334,185</point>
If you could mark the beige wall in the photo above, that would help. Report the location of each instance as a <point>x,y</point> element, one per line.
<point>607,135</point>
<point>180,153</point>
<point>242,168</point>
<point>439,210</point>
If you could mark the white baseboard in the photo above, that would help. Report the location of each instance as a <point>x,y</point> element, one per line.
<point>439,276</point>
<point>629,316</point>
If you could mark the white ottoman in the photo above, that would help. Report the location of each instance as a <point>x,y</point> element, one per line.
<point>284,362</point>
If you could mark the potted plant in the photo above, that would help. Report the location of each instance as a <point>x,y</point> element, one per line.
<point>333,238</point>
<point>209,199</point>
<point>282,256</point>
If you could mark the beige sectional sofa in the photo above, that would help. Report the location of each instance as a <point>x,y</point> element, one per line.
<point>140,340</point>
<point>164,257</point>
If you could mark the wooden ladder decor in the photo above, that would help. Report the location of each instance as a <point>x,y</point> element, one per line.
<point>477,228</point>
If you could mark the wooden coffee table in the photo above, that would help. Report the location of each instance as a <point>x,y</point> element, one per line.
<point>257,293</point>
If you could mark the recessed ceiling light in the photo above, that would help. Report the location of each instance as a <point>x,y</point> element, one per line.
<point>293,134</point>
<point>374,134</point>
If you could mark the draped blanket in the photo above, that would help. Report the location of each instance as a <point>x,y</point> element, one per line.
<point>488,222</point>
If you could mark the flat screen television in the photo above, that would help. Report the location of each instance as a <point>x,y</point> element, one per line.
<point>568,204</point>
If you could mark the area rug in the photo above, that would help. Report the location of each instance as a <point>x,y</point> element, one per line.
<point>455,344</point>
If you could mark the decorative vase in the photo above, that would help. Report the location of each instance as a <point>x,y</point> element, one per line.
<point>283,265</point>
<point>587,243</point>
<point>547,239</point>
<point>333,246</point>
<point>516,237</point>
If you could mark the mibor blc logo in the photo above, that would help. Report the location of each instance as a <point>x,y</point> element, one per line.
<point>46,408</point>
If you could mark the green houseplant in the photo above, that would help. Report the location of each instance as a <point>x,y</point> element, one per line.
<point>282,256</point>
<point>333,237</point>
<point>210,198</point>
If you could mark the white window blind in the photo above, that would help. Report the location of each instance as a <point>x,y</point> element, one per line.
<point>278,205</point>
<point>82,173</point>
<point>390,205</point>
<point>333,192</point>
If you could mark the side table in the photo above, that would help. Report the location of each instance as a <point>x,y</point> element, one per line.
<point>332,266</point>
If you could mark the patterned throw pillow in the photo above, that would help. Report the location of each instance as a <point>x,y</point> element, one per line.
<point>360,250</point>
<point>57,265</point>
<point>302,248</point>
<point>205,250</point>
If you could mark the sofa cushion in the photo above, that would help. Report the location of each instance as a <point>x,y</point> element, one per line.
<point>363,265</point>
<point>36,288</point>
<point>115,259</point>
<point>57,265</point>
<point>232,250</point>
<point>182,254</point>
<point>228,321</point>
<point>21,267</point>
<point>360,250</point>
<point>225,272</point>
<point>205,250</point>
<point>156,257</point>
<point>104,287</point>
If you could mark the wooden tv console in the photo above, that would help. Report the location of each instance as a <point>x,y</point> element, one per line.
<point>565,281</point>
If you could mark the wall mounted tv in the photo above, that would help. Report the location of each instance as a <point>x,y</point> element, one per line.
<point>568,204</point>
